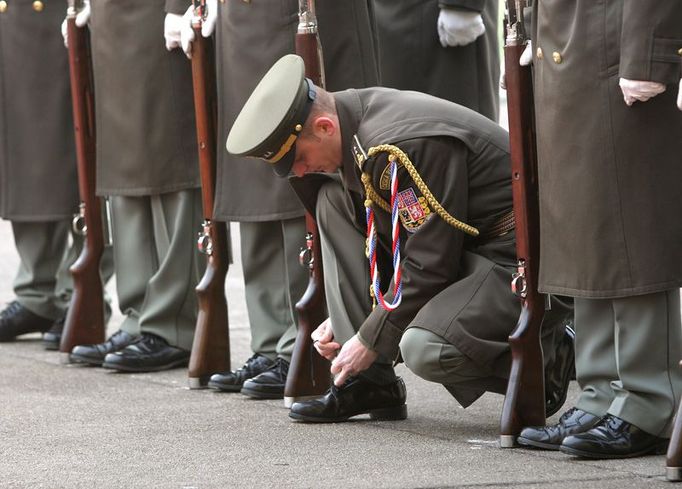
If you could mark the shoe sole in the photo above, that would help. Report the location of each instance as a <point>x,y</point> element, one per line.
<point>658,449</point>
<point>397,413</point>
<point>156,368</point>
<point>94,362</point>
<point>223,387</point>
<point>525,442</point>
<point>256,394</point>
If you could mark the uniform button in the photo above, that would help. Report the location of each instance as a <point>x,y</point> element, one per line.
<point>222,1</point>
<point>556,56</point>
<point>679,51</point>
<point>38,6</point>
<point>538,53</point>
<point>3,6</point>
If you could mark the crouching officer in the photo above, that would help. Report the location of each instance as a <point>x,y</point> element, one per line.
<point>420,164</point>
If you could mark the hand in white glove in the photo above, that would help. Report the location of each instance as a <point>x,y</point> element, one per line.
<point>82,19</point>
<point>207,27</point>
<point>525,59</point>
<point>458,27</point>
<point>639,90</point>
<point>176,26</point>
<point>679,96</point>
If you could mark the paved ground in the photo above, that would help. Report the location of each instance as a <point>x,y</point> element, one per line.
<point>63,427</point>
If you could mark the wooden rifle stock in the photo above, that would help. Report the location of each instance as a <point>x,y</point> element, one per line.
<point>211,345</point>
<point>524,403</point>
<point>309,374</point>
<point>673,460</point>
<point>84,322</point>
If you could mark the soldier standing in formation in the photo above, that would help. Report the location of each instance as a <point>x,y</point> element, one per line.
<point>39,184</point>
<point>455,288</point>
<point>609,145</point>
<point>250,38</point>
<point>147,164</point>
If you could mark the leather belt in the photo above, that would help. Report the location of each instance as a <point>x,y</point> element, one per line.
<point>500,227</point>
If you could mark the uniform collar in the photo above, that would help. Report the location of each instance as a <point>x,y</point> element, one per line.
<point>349,110</point>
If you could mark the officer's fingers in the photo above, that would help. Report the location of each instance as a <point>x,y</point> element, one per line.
<point>65,34</point>
<point>342,377</point>
<point>319,331</point>
<point>679,96</point>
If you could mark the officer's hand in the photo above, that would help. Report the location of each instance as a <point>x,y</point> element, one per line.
<point>353,358</point>
<point>322,340</point>
<point>458,27</point>
<point>82,19</point>
<point>679,96</point>
<point>527,54</point>
<point>634,90</point>
<point>175,27</point>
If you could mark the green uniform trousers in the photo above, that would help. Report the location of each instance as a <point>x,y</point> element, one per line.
<point>274,281</point>
<point>627,355</point>
<point>43,283</point>
<point>157,263</point>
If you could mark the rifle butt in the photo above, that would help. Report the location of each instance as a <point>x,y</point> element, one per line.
<point>211,345</point>
<point>524,402</point>
<point>673,461</point>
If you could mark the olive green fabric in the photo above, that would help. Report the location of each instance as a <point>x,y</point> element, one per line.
<point>38,179</point>
<point>412,58</point>
<point>43,283</point>
<point>610,200</point>
<point>274,281</point>
<point>157,263</point>
<point>146,139</point>
<point>251,36</point>
<point>627,354</point>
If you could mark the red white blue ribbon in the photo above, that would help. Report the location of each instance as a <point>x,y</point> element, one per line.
<point>372,244</point>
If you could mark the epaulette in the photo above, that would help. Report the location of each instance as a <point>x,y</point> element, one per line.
<point>359,153</point>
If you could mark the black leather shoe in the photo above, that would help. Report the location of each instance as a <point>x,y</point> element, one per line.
<point>356,396</point>
<point>572,422</point>
<point>16,320</point>
<point>233,381</point>
<point>53,336</point>
<point>558,375</point>
<point>269,384</point>
<point>94,354</point>
<point>150,353</point>
<point>613,437</point>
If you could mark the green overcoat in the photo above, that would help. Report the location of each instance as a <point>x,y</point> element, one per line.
<point>38,180</point>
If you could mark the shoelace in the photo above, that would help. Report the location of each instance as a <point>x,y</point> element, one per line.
<point>11,309</point>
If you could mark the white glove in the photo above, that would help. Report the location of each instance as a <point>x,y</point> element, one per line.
<point>639,90</point>
<point>458,27</point>
<point>82,19</point>
<point>207,27</point>
<point>527,54</point>
<point>176,26</point>
<point>679,96</point>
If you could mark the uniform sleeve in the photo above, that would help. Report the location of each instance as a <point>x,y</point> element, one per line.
<point>177,6</point>
<point>475,5</point>
<point>430,255</point>
<point>651,40</point>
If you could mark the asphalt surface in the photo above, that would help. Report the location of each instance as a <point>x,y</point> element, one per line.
<point>81,427</point>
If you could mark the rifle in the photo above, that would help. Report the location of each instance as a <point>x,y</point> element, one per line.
<point>309,372</point>
<point>84,322</point>
<point>524,403</point>
<point>673,461</point>
<point>211,345</point>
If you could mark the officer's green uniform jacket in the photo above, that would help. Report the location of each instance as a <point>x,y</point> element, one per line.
<point>412,58</point>
<point>258,34</point>
<point>146,134</point>
<point>38,180</point>
<point>453,285</point>
<point>609,174</point>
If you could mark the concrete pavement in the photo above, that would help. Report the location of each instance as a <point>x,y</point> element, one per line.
<point>68,426</point>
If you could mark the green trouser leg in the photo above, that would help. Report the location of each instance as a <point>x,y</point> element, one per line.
<point>627,354</point>
<point>346,272</point>
<point>274,281</point>
<point>157,263</point>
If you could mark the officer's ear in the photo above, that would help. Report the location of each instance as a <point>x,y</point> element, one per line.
<point>323,125</point>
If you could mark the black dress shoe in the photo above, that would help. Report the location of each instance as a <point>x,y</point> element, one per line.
<point>150,353</point>
<point>572,422</point>
<point>613,437</point>
<point>269,384</point>
<point>16,320</point>
<point>53,336</point>
<point>233,381</point>
<point>558,375</point>
<point>94,354</point>
<point>356,396</point>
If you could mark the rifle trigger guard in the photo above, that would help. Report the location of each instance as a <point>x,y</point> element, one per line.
<point>204,241</point>
<point>78,224</point>
<point>519,285</point>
